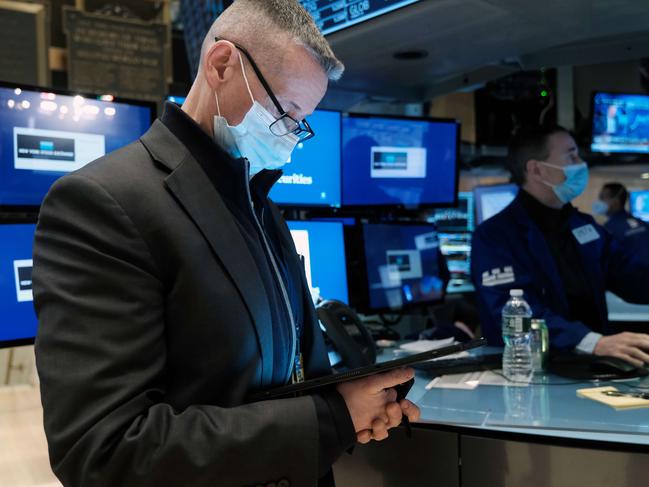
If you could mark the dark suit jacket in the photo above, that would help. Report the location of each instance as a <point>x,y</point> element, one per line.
<point>154,328</point>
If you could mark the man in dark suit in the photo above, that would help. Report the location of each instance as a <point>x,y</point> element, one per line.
<point>168,288</point>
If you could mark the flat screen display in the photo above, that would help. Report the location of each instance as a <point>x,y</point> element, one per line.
<point>322,246</point>
<point>17,317</point>
<point>403,266</point>
<point>399,162</point>
<point>639,201</point>
<point>45,135</point>
<point>620,123</point>
<point>312,177</point>
<point>491,200</point>
<point>333,15</point>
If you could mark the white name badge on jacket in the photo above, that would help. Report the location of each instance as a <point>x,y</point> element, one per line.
<point>585,234</point>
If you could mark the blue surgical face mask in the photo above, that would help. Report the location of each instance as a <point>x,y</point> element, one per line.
<point>574,184</point>
<point>600,207</point>
<point>252,138</point>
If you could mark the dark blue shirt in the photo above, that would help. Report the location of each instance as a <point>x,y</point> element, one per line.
<point>632,232</point>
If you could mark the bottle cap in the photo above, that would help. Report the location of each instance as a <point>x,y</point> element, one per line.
<point>516,293</point>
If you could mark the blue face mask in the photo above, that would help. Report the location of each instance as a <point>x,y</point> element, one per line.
<point>252,138</point>
<point>600,207</point>
<point>574,184</point>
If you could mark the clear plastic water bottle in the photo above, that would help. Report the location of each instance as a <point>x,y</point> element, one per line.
<point>517,356</point>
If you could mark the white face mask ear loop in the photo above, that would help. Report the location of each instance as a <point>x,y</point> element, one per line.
<point>218,107</point>
<point>245,78</point>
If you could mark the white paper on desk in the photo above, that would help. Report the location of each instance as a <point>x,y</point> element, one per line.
<point>489,378</point>
<point>467,381</point>
<point>425,345</point>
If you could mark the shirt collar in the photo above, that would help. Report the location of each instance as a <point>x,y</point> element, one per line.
<point>545,217</point>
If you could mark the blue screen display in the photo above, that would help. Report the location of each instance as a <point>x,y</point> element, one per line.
<point>17,316</point>
<point>323,248</point>
<point>398,162</point>
<point>178,100</point>
<point>44,136</point>
<point>491,200</point>
<point>403,265</point>
<point>312,178</point>
<point>620,123</point>
<point>640,205</point>
<point>333,15</point>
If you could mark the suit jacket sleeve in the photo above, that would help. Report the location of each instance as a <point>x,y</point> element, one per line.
<point>100,355</point>
<point>489,253</point>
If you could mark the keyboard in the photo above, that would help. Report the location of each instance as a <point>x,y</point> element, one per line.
<point>461,365</point>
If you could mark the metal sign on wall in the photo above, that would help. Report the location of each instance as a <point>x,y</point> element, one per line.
<point>23,50</point>
<point>123,57</point>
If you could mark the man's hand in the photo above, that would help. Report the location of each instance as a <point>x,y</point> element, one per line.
<point>631,347</point>
<point>372,405</point>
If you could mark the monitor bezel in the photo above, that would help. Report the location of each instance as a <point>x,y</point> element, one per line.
<point>34,209</point>
<point>642,157</point>
<point>478,208</point>
<point>400,206</point>
<point>17,220</point>
<point>307,206</point>
<point>357,273</point>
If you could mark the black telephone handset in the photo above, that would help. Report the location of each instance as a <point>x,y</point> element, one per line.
<point>347,333</point>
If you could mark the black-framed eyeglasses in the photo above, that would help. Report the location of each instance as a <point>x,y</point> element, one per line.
<point>285,124</point>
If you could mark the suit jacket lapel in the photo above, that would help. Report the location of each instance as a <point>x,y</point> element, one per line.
<point>197,195</point>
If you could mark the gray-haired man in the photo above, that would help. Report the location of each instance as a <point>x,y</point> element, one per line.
<point>168,288</point>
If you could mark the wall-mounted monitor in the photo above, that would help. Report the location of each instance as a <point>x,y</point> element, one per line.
<point>639,203</point>
<point>399,162</point>
<point>491,200</point>
<point>45,134</point>
<point>178,100</point>
<point>322,246</point>
<point>312,177</point>
<point>400,267</point>
<point>620,123</point>
<point>17,320</point>
<point>333,15</point>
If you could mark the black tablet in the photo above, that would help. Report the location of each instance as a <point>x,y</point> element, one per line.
<point>365,371</point>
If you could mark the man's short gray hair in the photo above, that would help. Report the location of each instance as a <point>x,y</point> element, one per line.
<point>262,25</point>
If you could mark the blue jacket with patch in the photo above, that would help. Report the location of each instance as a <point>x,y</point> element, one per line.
<point>510,252</point>
<point>633,233</point>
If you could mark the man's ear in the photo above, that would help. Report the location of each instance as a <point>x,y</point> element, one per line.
<point>220,61</point>
<point>533,169</point>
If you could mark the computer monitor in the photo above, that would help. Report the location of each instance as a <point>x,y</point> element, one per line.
<point>178,100</point>
<point>639,203</point>
<point>17,319</point>
<point>620,123</point>
<point>399,162</point>
<point>491,200</point>
<point>312,177</point>
<point>458,218</point>
<point>401,265</point>
<point>322,246</point>
<point>45,134</point>
<point>333,15</point>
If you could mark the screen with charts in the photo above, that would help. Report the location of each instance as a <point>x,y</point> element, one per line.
<point>333,15</point>
<point>45,135</point>
<point>402,263</point>
<point>312,177</point>
<point>620,123</point>
<point>455,226</point>
<point>399,162</point>
<point>18,319</point>
<point>322,246</point>
<point>491,200</point>
<point>639,202</point>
